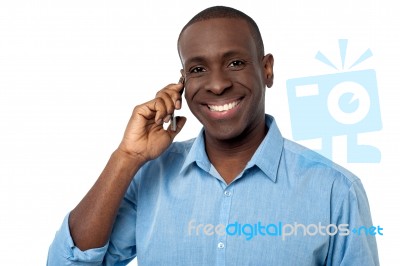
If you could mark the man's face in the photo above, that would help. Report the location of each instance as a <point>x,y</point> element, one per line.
<point>225,77</point>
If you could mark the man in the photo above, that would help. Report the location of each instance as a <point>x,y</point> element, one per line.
<point>234,195</point>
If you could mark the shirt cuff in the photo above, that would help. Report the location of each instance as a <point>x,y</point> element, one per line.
<point>64,252</point>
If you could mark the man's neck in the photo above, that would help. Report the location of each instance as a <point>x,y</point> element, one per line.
<point>230,157</point>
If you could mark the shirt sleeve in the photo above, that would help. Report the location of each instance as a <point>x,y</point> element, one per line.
<point>357,244</point>
<point>63,251</point>
<point>122,245</point>
<point>120,249</point>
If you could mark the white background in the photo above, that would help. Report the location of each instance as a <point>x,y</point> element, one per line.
<point>72,71</point>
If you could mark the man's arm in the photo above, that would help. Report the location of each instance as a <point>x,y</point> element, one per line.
<point>91,221</point>
<point>355,247</point>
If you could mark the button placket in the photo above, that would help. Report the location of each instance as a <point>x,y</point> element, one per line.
<point>226,201</point>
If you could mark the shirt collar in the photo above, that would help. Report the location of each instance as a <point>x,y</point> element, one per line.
<point>268,154</point>
<point>266,157</point>
<point>197,154</point>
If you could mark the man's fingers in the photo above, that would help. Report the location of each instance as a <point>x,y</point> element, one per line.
<point>154,110</point>
<point>160,107</point>
<point>168,101</point>
<point>176,86</point>
<point>173,92</point>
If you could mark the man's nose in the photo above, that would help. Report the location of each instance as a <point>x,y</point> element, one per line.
<point>218,82</point>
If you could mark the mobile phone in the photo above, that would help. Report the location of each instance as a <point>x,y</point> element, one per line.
<point>173,118</point>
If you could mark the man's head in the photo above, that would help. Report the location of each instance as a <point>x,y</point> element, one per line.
<point>228,12</point>
<point>225,72</point>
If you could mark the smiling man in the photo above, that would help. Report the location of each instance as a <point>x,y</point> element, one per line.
<point>225,88</point>
<point>238,194</point>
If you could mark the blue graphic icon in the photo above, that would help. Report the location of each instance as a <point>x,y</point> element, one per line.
<point>344,103</point>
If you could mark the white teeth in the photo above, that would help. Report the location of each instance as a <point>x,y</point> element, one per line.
<point>225,107</point>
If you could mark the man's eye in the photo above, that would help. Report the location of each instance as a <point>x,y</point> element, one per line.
<point>197,70</point>
<point>236,63</point>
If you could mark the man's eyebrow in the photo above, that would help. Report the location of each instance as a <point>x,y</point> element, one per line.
<point>202,59</point>
<point>195,59</point>
<point>231,54</point>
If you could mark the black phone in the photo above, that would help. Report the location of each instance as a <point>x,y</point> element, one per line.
<point>173,118</point>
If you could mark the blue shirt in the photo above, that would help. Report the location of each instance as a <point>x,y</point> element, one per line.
<point>289,206</point>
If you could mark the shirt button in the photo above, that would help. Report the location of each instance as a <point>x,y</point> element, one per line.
<point>227,193</point>
<point>221,245</point>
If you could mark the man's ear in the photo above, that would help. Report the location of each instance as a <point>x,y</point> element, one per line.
<point>268,66</point>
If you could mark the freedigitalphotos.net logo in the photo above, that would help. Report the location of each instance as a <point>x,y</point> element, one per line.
<point>344,103</point>
<point>283,230</point>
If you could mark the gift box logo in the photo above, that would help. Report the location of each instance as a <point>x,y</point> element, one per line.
<point>344,103</point>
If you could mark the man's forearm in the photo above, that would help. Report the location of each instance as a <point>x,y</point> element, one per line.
<point>145,139</point>
<point>92,219</point>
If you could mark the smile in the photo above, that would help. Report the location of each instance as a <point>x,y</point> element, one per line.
<point>225,107</point>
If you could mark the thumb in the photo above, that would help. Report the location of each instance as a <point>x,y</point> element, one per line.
<point>180,122</point>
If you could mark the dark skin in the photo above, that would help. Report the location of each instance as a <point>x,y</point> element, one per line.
<point>229,73</point>
<point>228,69</point>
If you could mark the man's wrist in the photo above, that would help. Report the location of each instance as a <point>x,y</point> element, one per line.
<point>131,159</point>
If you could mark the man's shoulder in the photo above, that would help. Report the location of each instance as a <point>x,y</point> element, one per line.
<point>176,152</point>
<point>309,160</point>
<point>181,146</point>
<point>169,162</point>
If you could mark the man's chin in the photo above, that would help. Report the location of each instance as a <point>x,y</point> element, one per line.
<point>223,133</point>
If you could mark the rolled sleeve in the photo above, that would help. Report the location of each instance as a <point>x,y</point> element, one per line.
<point>120,249</point>
<point>64,252</point>
<point>122,245</point>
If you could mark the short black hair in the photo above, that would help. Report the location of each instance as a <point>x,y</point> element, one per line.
<point>228,12</point>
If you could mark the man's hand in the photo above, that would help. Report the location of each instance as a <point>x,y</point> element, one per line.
<point>145,138</point>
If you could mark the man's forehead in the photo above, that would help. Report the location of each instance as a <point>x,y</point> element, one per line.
<point>208,33</point>
<point>211,24</point>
